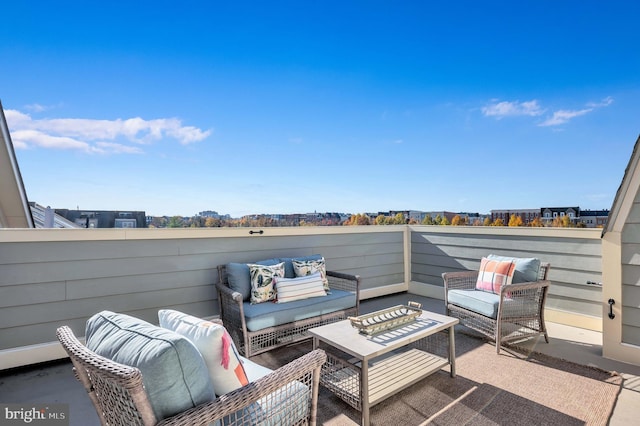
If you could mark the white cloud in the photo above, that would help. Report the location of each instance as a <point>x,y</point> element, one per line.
<point>603,103</point>
<point>532,108</point>
<point>562,116</point>
<point>31,138</point>
<point>510,109</point>
<point>100,136</point>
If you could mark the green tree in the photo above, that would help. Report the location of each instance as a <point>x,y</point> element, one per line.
<point>428,220</point>
<point>175,222</point>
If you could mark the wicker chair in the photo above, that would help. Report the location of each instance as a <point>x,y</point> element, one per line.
<point>250,343</point>
<point>520,311</point>
<point>119,397</point>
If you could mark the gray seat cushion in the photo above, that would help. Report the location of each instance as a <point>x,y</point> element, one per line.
<point>294,403</point>
<point>263,315</point>
<point>173,371</point>
<point>481,302</point>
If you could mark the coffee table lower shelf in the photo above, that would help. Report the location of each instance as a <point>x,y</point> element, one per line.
<point>387,375</point>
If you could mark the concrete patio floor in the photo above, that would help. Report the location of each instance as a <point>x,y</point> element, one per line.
<point>54,382</point>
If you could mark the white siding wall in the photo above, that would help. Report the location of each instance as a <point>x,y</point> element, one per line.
<point>631,276</point>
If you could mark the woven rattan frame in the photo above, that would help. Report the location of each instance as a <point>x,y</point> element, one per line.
<point>251,343</point>
<point>520,310</point>
<point>118,393</point>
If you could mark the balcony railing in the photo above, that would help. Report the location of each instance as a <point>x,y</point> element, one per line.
<point>53,277</point>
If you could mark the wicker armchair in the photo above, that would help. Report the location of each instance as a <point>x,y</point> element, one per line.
<point>250,343</point>
<point>520,312</point>
<point>118,394</point>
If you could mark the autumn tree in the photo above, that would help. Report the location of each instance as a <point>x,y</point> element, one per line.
<point>562,222</point>
<point>212,222</point>
<point>515,220</point>
<point>456,221</point>
<point>536,223</point>
<point>487,221</point>
<point>357,219</point>
<point>444,221</point>
<point>380,220</point>
<point>399,219</point>
<point>498,222</point>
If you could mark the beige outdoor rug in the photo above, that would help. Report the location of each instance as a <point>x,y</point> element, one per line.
<point>512,388</point>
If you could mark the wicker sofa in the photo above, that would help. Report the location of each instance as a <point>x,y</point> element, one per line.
<point>257,328</point>
<point>515,311</point>
<point>161,382</point>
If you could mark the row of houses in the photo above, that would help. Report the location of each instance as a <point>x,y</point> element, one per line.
<point>588,218</point>
<point>137,219</point>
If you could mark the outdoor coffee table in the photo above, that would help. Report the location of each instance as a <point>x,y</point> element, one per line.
<point>365,370</point>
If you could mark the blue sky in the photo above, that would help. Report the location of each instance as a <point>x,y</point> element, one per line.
<point>340,106</point>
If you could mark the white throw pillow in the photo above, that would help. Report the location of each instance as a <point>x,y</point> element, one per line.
<point>307,267</point>
<point>214,343</point>
<point>262,289</point>
<point>290,289</point>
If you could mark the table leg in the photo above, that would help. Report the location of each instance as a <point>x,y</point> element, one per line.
<point>452,351</point>
<point>364,391</point>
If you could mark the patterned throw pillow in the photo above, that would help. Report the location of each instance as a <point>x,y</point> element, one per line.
<point>215,345</point>
<point>262,288</point>
<point>494,274</point>
<point>302,268</point>
<point>290,289</point>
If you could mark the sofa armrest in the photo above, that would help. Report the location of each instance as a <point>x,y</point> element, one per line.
<point>342,281</point>
<point>284,381</point>
<point>345,282</point>
<point>232,314</point>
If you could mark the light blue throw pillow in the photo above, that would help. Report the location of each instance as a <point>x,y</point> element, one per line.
<point>527,268</point>
<point>173,371</point>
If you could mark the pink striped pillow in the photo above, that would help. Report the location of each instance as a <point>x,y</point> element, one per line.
<point>494,274</point>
